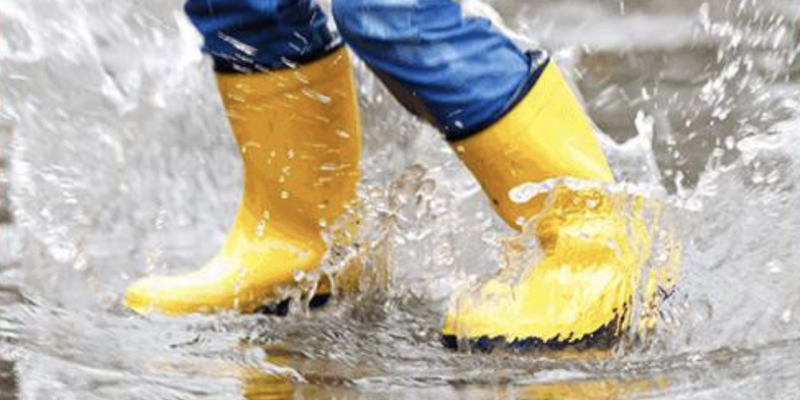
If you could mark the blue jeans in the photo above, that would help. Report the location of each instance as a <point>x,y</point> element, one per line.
<point>457,73</point>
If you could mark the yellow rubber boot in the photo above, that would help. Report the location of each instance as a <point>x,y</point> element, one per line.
<point>300,139</point>
<point>592,253</point>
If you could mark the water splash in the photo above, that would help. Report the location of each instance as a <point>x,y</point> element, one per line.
<point>123,166</point>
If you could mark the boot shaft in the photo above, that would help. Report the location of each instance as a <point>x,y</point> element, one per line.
<point>545,136</point>
<point>299,135</point>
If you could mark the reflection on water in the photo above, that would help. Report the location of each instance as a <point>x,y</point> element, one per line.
<point>720,374</point>
<point>8,381</point>
<point>122,165</point>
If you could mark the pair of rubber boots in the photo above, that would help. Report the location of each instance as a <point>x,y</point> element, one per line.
<point>299,136</point>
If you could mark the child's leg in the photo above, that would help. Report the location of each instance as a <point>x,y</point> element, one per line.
<point>512,119</point>
<point>288,89</point>
<point>457,73</point>
<point>256,35</point>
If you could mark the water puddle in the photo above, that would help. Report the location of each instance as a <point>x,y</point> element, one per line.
<point>117,162</point>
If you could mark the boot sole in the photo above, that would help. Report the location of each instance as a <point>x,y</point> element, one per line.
<point>281,308</point>
<point>602,339</point>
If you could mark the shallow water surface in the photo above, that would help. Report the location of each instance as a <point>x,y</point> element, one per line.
<point>117,162</point>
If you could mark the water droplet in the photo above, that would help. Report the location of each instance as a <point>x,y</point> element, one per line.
<point>80,263</point>
<point>284,194</point>
<point>328,167</point>
<point>299,275</point>
<point>730,142</point>
<point>786,317</point>
<point>758,177</point>
<point>238,45</point>
<point>526,191</point>
<point>774,267</point>
<point>645,94</point>
<point>316,95</point>
<point>773,177</point>
<point>260,228</point>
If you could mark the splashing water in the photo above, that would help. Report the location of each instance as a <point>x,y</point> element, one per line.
<point>121,165</point>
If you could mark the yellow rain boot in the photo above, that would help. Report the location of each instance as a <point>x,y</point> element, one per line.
<point>592,253</point>
<point>300,139</point>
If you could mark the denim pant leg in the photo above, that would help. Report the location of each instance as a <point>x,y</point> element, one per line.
<point>456,72</point>
<point>253,35</point>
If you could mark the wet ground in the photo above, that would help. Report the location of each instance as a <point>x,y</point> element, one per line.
<point>120,164</point>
